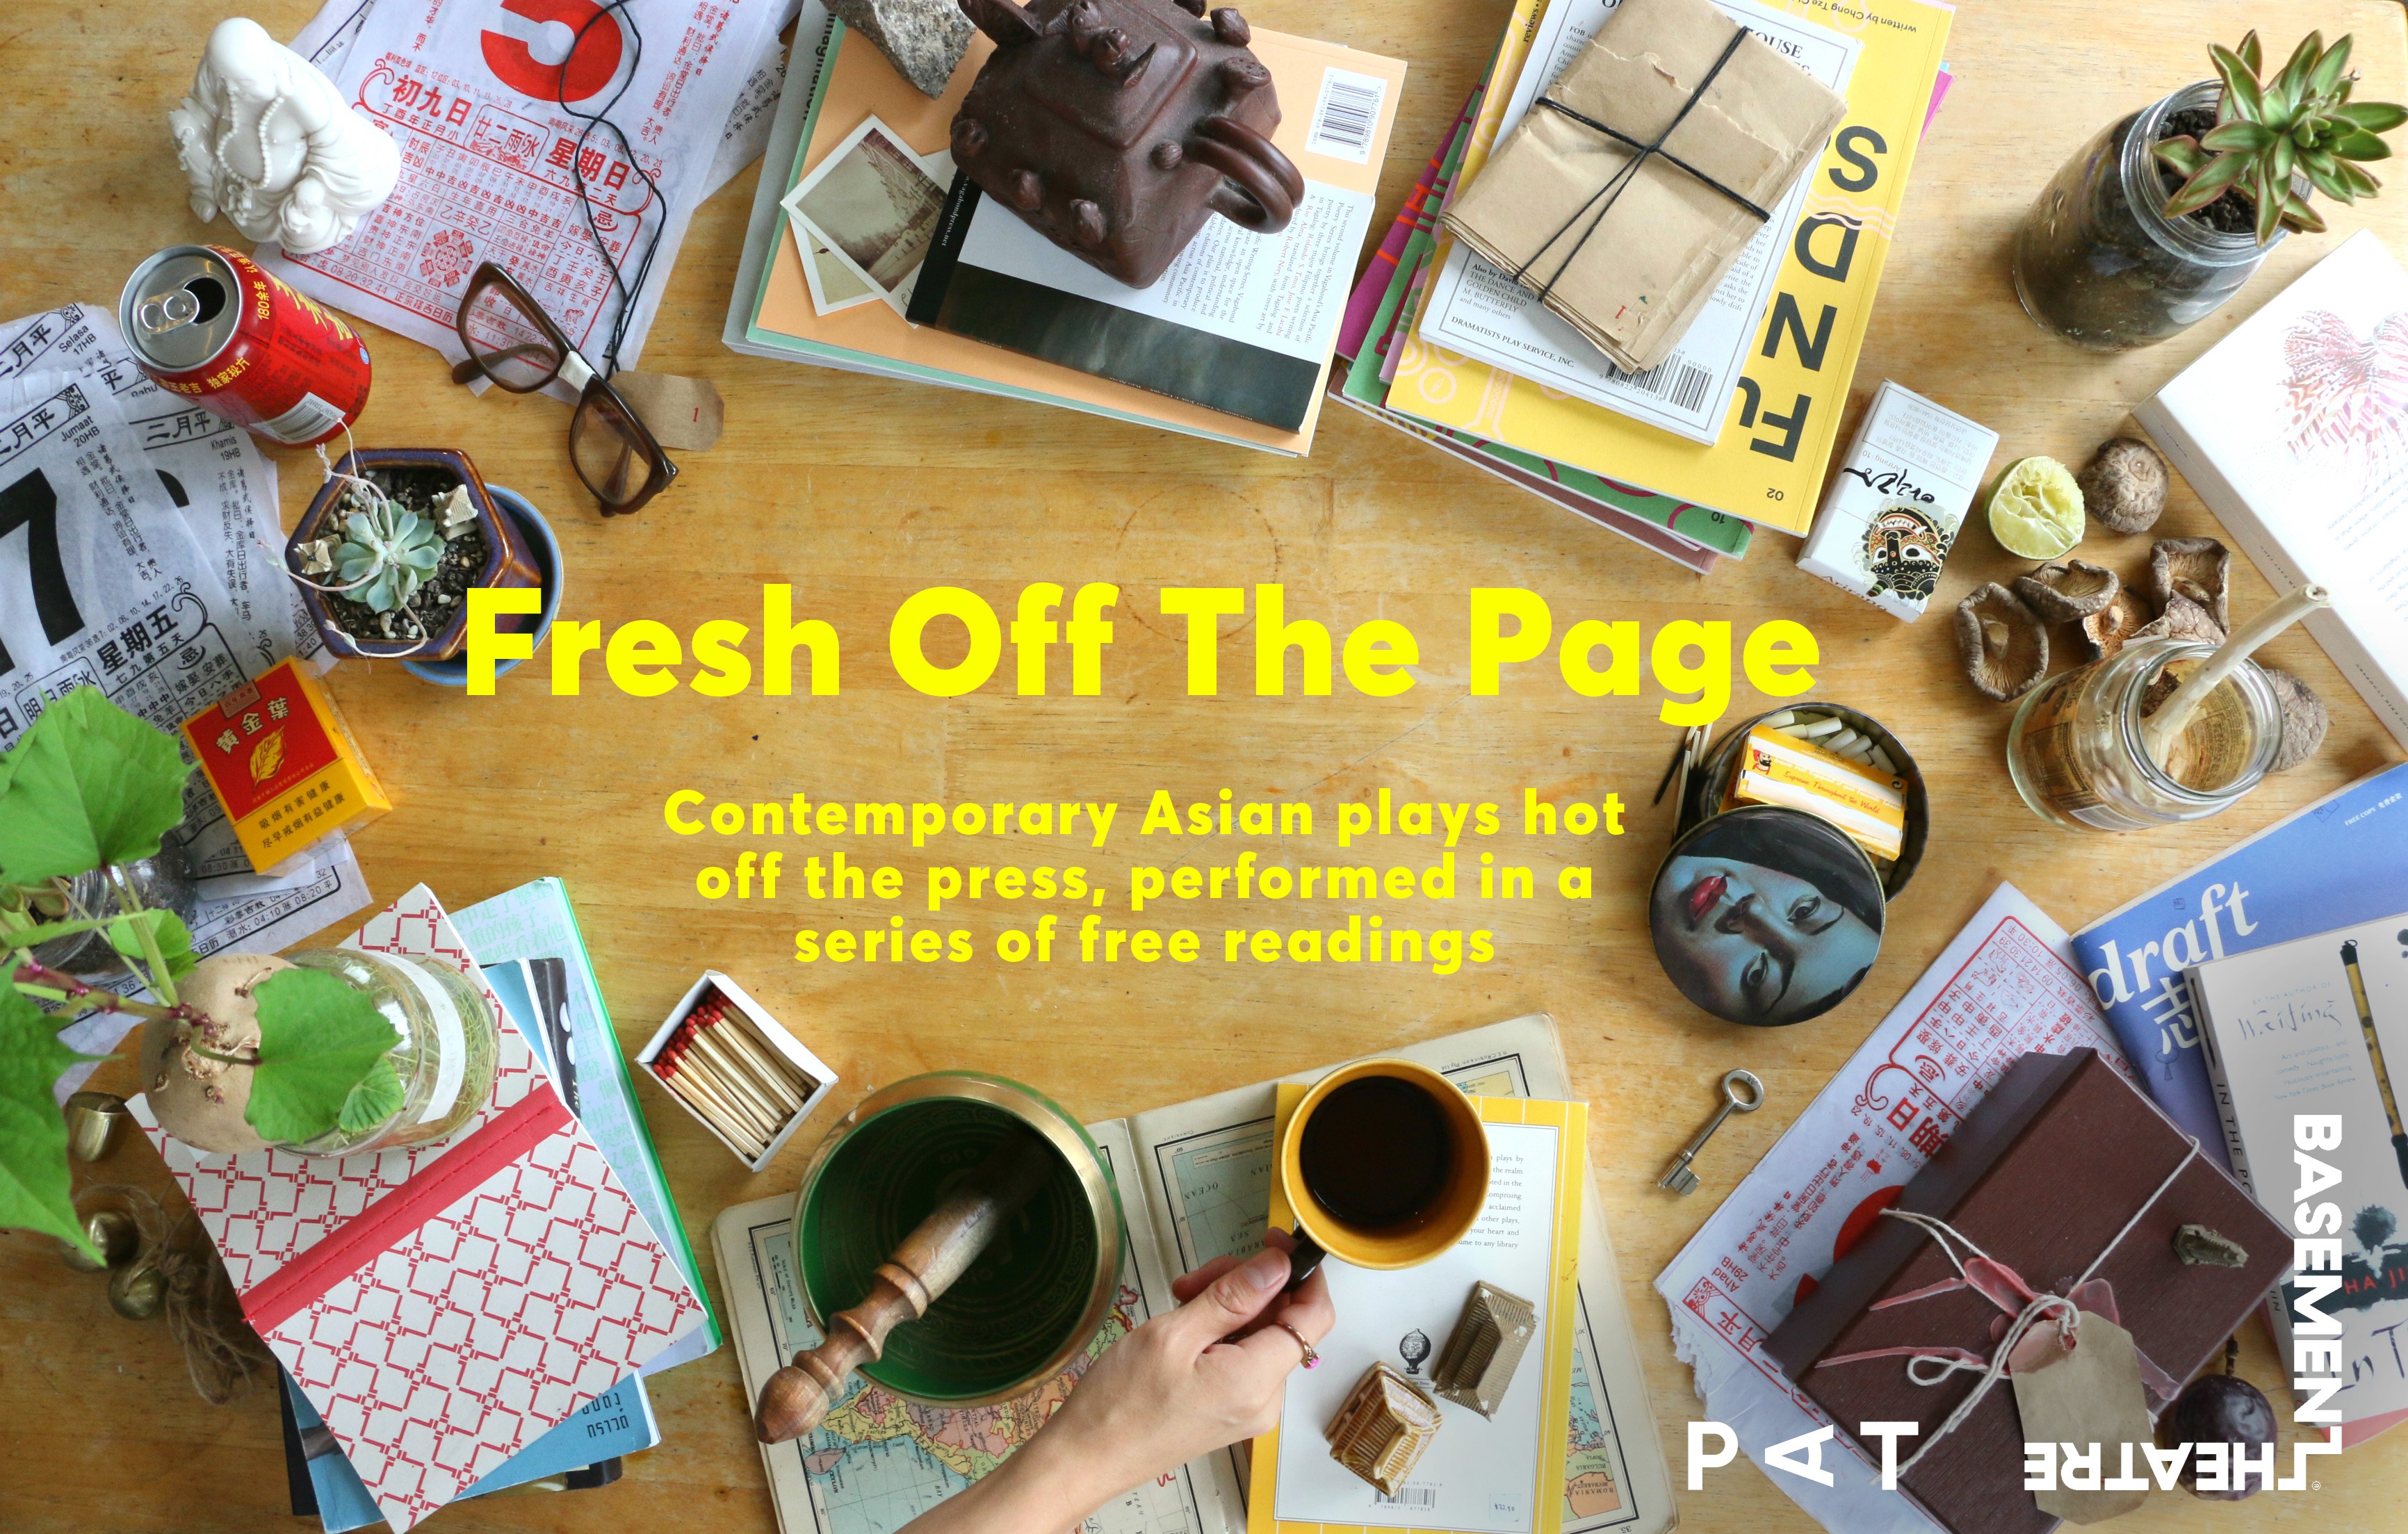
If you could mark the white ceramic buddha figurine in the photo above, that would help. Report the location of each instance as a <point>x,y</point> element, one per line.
<point>268,140</point>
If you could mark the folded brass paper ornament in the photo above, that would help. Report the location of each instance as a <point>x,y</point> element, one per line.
<point>1383,1428</point>
<point>1115,128</point>
<point>1640,176</point>
<point>1485,1349</point>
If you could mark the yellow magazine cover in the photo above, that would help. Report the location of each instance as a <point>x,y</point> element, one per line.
<point>1529,1235</point>
<point>1784,416</point>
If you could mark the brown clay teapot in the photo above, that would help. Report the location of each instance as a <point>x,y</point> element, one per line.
<point>1116,127</point>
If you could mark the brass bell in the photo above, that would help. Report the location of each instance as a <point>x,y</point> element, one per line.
<point>94,1121</point>
<point>138,1291</point>
<point>113,1233</point>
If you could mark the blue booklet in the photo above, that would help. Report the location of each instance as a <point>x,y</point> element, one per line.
<point>2340,861</point>
<point>617,1422</point>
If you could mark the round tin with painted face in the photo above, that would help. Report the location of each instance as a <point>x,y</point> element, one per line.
<point>1766,915</point>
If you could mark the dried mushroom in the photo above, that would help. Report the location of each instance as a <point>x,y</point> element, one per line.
<point>2199,568</point>
<point>2106,629</point>
<point>2067,593</point>
<point>2124,486</point>
<point>2183,619</point>
<point>2304,721</point>
<point>2003,643</point>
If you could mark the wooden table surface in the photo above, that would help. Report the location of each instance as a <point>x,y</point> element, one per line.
<point>860,492</point>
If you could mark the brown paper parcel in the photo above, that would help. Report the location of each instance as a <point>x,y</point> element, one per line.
<point>1631,270</point>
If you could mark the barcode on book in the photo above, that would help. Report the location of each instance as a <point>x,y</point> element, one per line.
<point>1346,114</point>
<point>1680,384</point>
<point>1408,1497</point>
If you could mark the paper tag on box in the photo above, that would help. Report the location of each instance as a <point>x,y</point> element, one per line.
<point>2088,1402</point>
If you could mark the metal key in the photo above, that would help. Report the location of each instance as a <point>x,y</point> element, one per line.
<point>1678,1177</point>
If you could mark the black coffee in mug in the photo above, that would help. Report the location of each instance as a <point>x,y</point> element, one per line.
<point>1377,1152</point>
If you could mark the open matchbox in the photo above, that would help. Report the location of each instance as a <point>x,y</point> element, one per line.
<point>745,1014</point>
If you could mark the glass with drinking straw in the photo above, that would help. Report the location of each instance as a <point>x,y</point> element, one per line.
<point>2161,732</point>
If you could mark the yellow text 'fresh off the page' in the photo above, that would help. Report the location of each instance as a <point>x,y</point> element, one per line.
<point>1692,660</point>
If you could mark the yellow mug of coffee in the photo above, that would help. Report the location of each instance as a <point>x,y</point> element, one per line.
<point>1386,1165</point>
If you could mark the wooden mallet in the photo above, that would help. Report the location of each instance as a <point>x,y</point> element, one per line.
<point>938,1252</point>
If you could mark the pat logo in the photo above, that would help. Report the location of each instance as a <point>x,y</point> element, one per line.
<point>2077,1466</point>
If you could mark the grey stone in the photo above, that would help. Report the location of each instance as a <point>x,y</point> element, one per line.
<point>924,39</point>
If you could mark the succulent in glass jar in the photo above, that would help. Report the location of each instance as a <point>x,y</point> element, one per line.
<point>2302,120</point>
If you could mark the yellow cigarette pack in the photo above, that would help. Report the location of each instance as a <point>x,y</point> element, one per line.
<point>1868,804</point>
<point>284,765</point>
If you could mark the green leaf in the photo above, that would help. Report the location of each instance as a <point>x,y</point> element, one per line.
<point>377,1099</point>
<point>2359,182</point>
<point>2181,154</point>
<point>318,1040</point>
<point>90,785</point>
<point>35,1194</point>
<point>2326,73</point>
<point>2242,101</point>
<point>2208,185</point>
<point>2373,116</point>
<point>2270,195</point>
<point>2361,146</point>
<point>2300,216</point>
<point>2238,138</point>
<point>168,930</point>
<point>2251,55</point>
<point>2290,86</point>
<point>2329,179</point>
<point>2281,159</point>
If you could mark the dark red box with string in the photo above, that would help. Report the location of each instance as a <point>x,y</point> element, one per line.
<point>2063,1172</point>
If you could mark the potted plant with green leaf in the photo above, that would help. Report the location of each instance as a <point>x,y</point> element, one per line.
<point>2163,215</point>
<point>391,544</point>
<point>325,1053</point>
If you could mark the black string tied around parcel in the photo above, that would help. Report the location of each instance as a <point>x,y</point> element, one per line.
<point>1615,184</point>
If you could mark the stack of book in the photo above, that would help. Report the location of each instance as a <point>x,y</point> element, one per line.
<point>867,253</point>
<point>2290,431</point>
<point>1737,425</point>
<point>437,1340</point>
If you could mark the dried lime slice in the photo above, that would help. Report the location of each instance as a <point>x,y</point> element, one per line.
<point>2036,510</point>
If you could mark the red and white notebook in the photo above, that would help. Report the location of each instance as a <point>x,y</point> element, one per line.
<point>442,1306</point>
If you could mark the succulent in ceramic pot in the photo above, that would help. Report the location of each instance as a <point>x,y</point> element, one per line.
<point>386,553</point>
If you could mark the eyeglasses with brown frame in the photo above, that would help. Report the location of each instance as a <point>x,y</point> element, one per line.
<point>512,341</point>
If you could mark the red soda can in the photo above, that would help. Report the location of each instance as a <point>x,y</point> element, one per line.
<point>210,324</point>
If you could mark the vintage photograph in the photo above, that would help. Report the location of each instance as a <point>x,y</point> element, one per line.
<point>875,207</point>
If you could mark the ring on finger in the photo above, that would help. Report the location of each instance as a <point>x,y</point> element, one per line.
<point>1311,1359</point>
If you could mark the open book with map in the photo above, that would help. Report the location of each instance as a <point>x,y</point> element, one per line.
<point>1195,1182</point>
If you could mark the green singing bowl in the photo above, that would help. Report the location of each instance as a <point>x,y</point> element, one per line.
<point>1032,1302</point>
